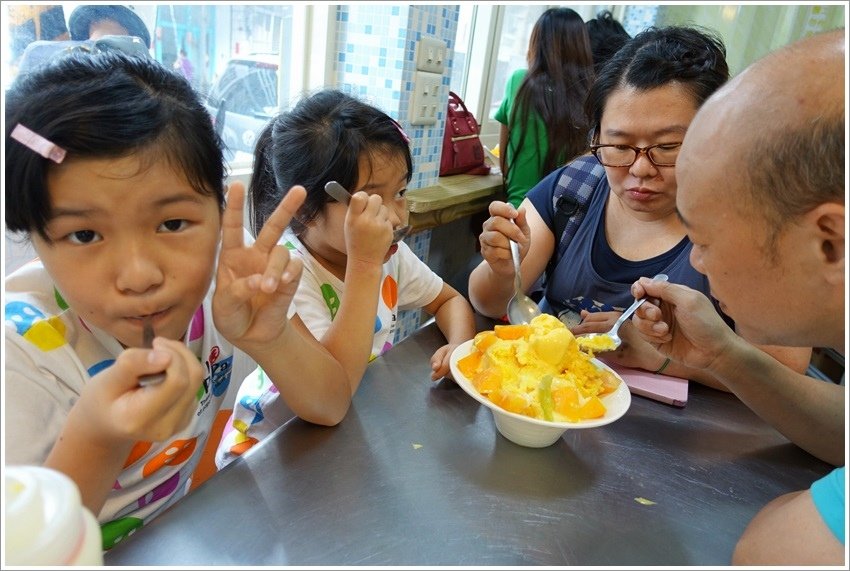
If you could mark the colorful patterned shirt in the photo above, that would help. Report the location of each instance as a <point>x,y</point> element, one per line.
<point>51,353</point>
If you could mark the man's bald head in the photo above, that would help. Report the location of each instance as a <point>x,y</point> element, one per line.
<point>777,129</point>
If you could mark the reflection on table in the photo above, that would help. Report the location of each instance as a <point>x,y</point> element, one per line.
<point>416,474</point>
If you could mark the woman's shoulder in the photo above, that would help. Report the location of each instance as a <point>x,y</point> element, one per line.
<point>518,75</point>
<point>516,79</point>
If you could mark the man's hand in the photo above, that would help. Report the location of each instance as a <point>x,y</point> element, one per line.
<point>681,323</point>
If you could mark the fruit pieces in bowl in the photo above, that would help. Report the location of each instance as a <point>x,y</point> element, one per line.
<point>538,370</point>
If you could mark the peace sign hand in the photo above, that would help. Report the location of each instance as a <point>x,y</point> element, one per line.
<point>255,284</point>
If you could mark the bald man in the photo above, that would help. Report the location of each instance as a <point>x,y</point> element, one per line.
<point>762,196</point>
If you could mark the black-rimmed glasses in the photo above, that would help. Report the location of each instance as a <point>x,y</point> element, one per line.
<point>660,155</point>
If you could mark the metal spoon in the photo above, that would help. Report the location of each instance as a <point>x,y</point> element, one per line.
<point>521,308</point>
<point>340,194</point>
<point>590,340</point>
<point>147,343</point>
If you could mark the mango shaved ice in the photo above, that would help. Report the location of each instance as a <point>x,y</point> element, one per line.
<point>596,343</point>
<point>538,370</point>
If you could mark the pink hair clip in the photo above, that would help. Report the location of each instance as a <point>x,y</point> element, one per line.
<point>39,144</point>
<point>400,130</point>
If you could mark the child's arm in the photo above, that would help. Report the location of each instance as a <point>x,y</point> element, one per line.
<point>455,319</point>
<point>254,287</point>
<point>112,413</point>
<point>368,235</point>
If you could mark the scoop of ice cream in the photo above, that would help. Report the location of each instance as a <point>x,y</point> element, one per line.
<point>552,345</point>
<point>546,322</point>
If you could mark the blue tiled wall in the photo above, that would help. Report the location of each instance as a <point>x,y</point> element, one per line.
<point>374,59</point>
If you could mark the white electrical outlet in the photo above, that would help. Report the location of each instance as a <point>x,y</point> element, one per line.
<point>425,100</point>
<point>430,55</point>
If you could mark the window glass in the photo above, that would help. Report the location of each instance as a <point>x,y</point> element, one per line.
<point>463,40</point>
<point>517,23</point>
<point>232,54</point>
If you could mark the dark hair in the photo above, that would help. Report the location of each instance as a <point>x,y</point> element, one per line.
<point>690,56</point>
<point>103,106</point>
<point>319,140</point>
<point>793,170</point>
<point>607,35</point>
<point>560,73</point>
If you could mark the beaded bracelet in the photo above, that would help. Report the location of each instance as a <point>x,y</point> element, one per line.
<point>664,366</point>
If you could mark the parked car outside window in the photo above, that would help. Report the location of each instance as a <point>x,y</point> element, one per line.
<point>243,100</point>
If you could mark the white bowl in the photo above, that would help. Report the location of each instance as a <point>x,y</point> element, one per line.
<point>533,432</point>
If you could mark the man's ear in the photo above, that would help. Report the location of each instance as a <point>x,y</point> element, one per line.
<point>828,219</point>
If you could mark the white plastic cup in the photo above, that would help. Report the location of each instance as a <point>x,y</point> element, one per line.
<point>46,522</point>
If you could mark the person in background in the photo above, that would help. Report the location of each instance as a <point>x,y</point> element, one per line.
<point>607,35</point>
<point>93,21</point>
<point>184,66</point>
<point>357,275</point>
<point>543,125</point>
<point>115,174</point>
<point>762,196</point>
<point>639,111</point>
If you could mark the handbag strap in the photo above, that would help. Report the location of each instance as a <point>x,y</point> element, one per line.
<point>458,101</point>
<point>574,189</point>
<point>467,116</point>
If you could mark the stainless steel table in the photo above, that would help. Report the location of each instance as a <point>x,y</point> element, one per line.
<point>416,474</point>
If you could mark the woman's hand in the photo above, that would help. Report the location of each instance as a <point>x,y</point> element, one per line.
<point>505,223</point>
<point>255,284</point>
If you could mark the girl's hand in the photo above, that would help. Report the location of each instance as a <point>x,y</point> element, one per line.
<point>368,229</point>
<point>505,224</point>
<point>117,409</point>
<point>255,284</point>
<point>440,362</point>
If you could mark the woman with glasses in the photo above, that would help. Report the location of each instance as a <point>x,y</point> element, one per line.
<point>639,110</point>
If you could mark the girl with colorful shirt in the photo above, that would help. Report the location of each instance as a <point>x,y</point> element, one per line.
<point>356,275</point>
<point>114,172</point>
